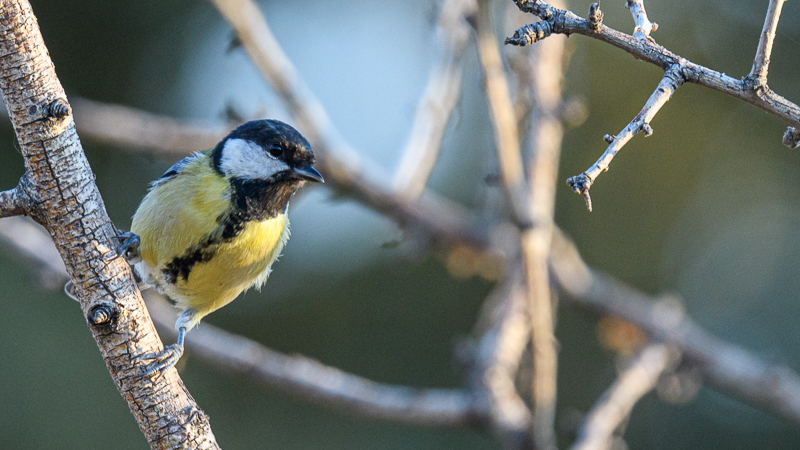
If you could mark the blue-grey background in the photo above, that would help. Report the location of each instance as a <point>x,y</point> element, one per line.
<point>707,208</point>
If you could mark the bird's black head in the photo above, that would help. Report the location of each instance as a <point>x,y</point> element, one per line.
<point>265,161</point>
<point>263,150</point>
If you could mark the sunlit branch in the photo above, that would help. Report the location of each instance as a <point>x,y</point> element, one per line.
<point>559,21</point>
<point>641,123</point>
<point>758,74</point>
<point>501,112</point>
<point>643,25</point>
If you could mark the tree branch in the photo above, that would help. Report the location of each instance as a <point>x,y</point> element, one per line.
<point>533,205</point>
<point>728,367</point>
<point>545,131</point>
<point>135,129</point>
<point>501,112</point>
<point>641,123</point>
<point>555,20</point>
<point>758,74</point>
<point>12,202</point>
<point>618,401</point>
<point>297,376</point>
<point>643,25</point>
<point>437,103</point>
<point>69,205</point>
<point>312,381</point>
<point>33,244</point>
<point>504,330</point>
<point>341,164</point>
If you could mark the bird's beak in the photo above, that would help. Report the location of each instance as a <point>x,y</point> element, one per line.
<point>309,173</point>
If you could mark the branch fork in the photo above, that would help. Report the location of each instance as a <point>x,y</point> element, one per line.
<point>672,80</point>
<point>752,88</point>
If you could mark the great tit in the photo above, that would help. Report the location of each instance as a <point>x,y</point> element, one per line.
<point>213,224</point>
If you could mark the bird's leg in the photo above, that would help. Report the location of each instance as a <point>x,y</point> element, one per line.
<point>172,353</point>
<point>163,360</point>
<point>129,248</point>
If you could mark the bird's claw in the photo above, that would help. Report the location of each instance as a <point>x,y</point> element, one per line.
<point>161,361</point>
<point>129,248</point>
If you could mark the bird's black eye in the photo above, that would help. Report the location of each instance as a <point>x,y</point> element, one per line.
<point>275,150</point>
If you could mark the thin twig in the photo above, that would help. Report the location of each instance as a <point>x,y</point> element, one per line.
<point>618,401</point>
<point>12,202</point>
<point>731,369</point>
<point>555,20</point>
<point>438,102</point>
<point>312,381</point>
<point>641,123</point>
<point>758,74</point>
<point>643,25</point>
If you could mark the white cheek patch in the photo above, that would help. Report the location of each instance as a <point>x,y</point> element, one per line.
<point>245,159</point>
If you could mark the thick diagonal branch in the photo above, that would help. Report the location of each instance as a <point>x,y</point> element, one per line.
<point>618,401</point>
<point>69,205</point>
<point>758,74</point>
<point>672,80</point>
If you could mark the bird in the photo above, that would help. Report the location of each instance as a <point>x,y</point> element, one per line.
<point>212,226</point>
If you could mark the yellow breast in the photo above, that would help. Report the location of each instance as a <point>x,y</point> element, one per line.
<point>236,265</point>
<point>181,218</point>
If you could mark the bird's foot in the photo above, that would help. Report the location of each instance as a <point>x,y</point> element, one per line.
<point>129,248</point>
<point>161,361</point>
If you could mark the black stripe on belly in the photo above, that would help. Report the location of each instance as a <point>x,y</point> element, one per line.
<point>251,200</point>
<point>181,266</point>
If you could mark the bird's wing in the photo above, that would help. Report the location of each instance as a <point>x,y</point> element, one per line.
<point>178,168</point>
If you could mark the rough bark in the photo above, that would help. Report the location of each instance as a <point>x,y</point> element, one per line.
<point>61,195</point>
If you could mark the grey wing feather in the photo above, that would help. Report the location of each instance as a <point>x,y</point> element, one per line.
<point>176,169</point>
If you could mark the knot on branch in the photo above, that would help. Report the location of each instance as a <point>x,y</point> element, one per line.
<point>103,317</point>
<point>580,184</point>
<point>595,17</point>
<point>791,138</point>
<point>647,130</point>
<point>57,109</point>
<point>529,34</point>
<point>609,138</point>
